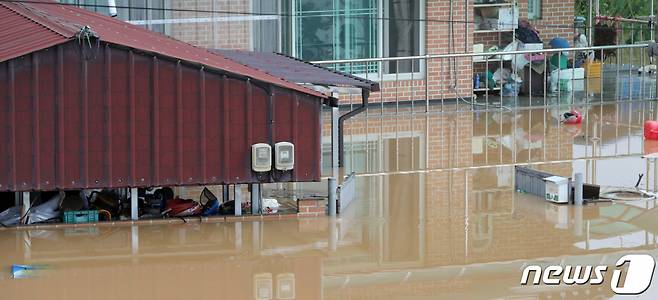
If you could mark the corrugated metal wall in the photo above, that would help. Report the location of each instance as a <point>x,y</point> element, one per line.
<point>79,117</point>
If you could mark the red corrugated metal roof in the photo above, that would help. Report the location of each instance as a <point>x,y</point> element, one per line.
<point>28,27</point>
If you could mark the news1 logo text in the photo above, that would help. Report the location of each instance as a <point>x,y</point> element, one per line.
<point>634,280</point>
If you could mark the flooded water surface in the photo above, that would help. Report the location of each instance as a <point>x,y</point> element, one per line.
<point>436,216</point>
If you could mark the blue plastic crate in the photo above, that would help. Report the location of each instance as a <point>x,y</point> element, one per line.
<point>80,216</point>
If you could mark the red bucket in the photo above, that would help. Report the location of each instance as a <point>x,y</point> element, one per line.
<point>651,130</point>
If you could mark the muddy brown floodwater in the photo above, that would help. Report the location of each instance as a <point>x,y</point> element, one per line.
<point>436,217</point>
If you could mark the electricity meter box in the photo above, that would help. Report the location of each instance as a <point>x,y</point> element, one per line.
<point>261,157</point>
<point>284,156</point>
<point>557,189</point>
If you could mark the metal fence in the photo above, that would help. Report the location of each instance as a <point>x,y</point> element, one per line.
<point>521,78</point>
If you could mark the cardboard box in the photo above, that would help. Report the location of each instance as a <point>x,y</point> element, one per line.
<point>508,18</point>
<point>593,69</point>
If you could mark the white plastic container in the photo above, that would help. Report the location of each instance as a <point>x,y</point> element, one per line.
<point>572,79</point>
<point>557,189</point>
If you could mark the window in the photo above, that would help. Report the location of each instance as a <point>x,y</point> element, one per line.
<point>266,35</point>
<point>402,34</point>
<point>337,29</point>
<point>534,9</point>
<point>356,29</point>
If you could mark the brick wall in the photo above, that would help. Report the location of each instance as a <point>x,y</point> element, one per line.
<point>557,17</point>
<point>226,31</point>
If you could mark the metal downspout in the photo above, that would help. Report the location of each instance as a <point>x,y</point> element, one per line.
<point>341,123</point>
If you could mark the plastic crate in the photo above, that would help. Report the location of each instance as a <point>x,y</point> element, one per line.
<point>80,216</point>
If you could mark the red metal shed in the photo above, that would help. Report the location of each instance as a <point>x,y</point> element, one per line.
<point>88,101</point>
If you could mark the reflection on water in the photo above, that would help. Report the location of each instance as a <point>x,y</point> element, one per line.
<point>454,230</point>
<point>610,135</point>
<point>441,234</point>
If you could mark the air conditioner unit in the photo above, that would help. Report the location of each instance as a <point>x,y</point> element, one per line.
<point>284,155</point>
<point>261,157</point>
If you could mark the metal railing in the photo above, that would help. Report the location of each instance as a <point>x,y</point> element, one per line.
<point>436,82</point>
<point>443,141</point>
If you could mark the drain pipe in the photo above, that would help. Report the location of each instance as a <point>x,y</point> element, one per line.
<point>341,123</point>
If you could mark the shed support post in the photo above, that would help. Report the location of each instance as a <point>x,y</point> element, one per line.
<point>255,198</point>
<point>134,206</point>
<point>237,191</point>
<point>225,194</point>
<point>331,186</point>
<point>26,207</point>
<point>17,199</point>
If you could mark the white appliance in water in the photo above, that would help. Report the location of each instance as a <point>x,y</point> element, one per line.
<point>557,189</point>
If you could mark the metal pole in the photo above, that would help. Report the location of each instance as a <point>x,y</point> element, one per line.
<point>238,200</point>
<point>334,136</point>
<point>652,17</point>
<point>255,198</point>
<point>134,214</point>
<point>331,186</point>
<point>26,206</point>
<point>578,189</point>
<point>590,27</point>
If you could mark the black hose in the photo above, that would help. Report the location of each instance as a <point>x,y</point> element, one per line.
<point>639,180</point>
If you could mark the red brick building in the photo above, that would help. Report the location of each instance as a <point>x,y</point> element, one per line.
<point>338,30</point>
